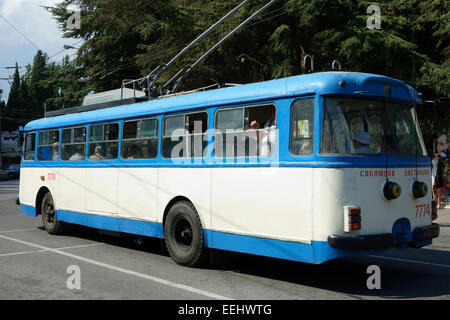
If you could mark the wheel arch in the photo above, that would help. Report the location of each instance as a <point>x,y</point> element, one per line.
<point>171,203</point>
<point>39,197</point>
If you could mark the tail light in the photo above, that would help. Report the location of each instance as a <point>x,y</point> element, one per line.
<point>352,219</point>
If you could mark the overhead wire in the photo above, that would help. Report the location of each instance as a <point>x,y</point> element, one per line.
<point>59,52</point>
<point>24,36</point>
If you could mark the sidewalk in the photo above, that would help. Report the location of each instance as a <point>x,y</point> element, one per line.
<point>443,216</point>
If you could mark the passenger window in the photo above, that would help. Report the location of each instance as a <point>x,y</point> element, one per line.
<point>245,132</point>
<point>140,139</point>
<point>302,127</point>
<point>48,145</point>
<point>73,144</point>
<point>30,146</point>
<point>103,141</point>
<point>185,136</point>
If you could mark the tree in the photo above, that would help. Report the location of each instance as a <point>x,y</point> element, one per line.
<point>69,85</point>
<point>39,88</point>
<point>11,116</point>
<point>127,39</point>
<point>13,103</point>
<point>2,103</point>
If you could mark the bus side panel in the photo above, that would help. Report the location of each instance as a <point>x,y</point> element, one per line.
<point>191,183</point>
<point>329,193</point>
<point>137,193</point>
<point>101,190</point>
<point>263,202</point>
<point>34,178</point>
<point>72,189</point>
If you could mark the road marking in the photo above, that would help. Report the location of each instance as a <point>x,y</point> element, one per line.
<point>18,253</point>
<point>119,269</point>
<point>18,230</point>
<point>45,250</point>
<point>80,246</point>
<point>413,261</point>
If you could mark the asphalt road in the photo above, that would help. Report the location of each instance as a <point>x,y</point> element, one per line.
<point>84,264</point>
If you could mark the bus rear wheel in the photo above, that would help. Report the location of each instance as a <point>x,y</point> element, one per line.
<point>51,224</point>
<point>184,235</point>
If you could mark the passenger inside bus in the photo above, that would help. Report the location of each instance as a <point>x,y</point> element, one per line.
<point>111,152</point>
<point>268,123</point>
<point>267,136</point>
<point>79,154</point>
<point>98,154</point>
<point>133,152</point>
<point>55,151</point>
<point>361,143</point>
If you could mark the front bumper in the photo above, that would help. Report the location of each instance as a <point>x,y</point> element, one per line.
<point>421,236</point>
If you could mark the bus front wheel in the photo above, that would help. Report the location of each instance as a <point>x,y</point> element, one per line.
<point>51,224</point>
<point>184,235</point>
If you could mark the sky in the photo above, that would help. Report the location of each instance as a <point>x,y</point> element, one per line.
<point>35,24</point>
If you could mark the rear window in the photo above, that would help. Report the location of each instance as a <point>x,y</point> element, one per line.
<point>302,127</point>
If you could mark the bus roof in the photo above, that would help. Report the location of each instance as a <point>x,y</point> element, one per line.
<point>323,83</point>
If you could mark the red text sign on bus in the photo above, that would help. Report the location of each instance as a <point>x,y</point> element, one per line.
<point>422,210</point>
<point>51,176</point>
<point>377,173</point>
<point>419,172</point>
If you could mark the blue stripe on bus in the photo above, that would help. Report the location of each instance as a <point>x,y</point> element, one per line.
<point>144,228</point>
<point>332,162</point>
<point>28,210</point>
<point>317,252</point>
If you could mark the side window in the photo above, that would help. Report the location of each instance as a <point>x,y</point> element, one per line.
<point>245,132</point>
<point>185,136</point>
<point>140,139</point>
<point>103,141</point>
<point>301,127</point>
<point>30,146</point>
<point>48,145</point>
<point>73,144</point>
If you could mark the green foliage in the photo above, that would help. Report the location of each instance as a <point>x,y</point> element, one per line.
<point>14,95</point>
<point>436,77</point>
<point>127,39</point>
<point>68,85</point>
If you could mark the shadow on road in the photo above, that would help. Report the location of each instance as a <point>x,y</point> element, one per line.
<point>399,280</point>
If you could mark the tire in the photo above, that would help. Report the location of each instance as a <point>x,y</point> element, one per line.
<point>185,240</point>
<point>48,213</point>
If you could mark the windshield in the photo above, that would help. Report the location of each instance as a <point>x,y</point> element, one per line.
<point>364,127</point>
